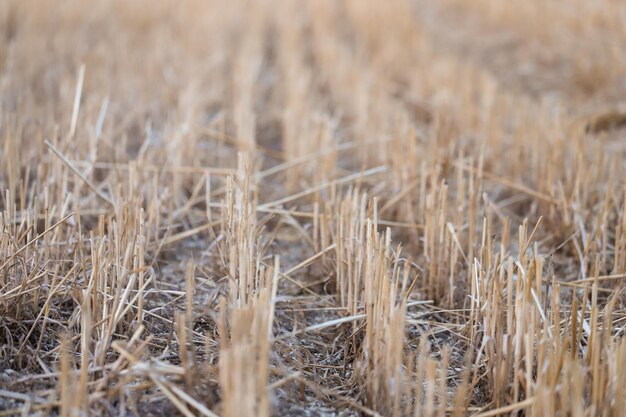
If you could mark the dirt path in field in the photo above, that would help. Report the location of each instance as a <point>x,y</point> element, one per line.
<point>571,75</point>
<point>500,51</point>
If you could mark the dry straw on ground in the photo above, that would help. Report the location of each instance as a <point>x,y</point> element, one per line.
<point>282,207</point>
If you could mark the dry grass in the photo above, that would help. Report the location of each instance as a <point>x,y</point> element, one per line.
<point>282,207</point>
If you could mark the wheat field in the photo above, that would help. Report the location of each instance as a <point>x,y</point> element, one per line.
<point>313,208</point>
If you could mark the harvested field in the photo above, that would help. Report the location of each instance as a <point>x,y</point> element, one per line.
<point>313,208</point>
